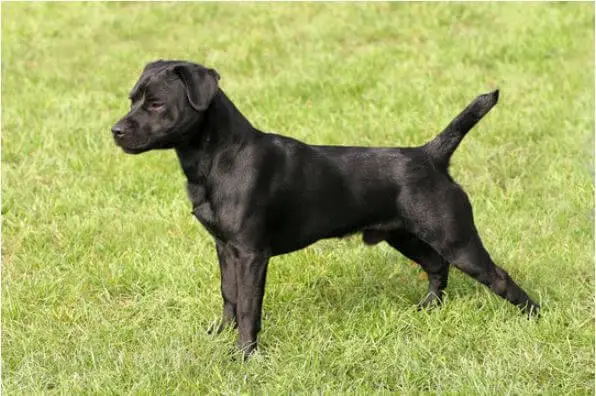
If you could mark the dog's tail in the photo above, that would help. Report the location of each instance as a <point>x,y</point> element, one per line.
<point>441,148</point>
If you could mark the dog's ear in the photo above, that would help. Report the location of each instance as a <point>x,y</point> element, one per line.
<point>201,84</point>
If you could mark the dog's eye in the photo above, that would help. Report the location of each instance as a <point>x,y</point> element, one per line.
<point>155,105</point>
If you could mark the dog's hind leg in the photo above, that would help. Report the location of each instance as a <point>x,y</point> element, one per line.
<point>449,229</point>
<point>472,258</point>
<point>435,266</point>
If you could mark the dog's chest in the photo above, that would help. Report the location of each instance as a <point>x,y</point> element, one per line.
<point>202,208</point>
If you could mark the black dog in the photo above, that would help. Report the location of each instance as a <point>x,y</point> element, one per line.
<point>261,194</point>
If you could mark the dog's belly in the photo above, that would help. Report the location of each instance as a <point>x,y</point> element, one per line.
<point>286,241</point>
<point>283,242</point>
<point>298,227</point>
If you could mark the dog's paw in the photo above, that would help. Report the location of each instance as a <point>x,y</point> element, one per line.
<point>532,310</point>
<point>430,301</point>
<point>246,349</point>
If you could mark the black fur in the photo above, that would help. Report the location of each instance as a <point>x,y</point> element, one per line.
<point>262,194</point>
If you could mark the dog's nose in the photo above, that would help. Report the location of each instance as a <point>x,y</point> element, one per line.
<point>117,130</point>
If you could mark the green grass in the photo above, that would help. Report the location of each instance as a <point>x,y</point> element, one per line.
<point>108,283</point>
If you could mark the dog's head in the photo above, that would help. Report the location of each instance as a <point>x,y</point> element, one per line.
<point>167,102</point>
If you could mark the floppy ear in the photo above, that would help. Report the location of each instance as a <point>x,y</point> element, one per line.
<point>201,84</point>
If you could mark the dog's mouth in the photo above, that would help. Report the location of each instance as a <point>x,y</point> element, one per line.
<point>130,149</point>
<point>165,142</point>
<point>135,144</point>
<point>134,150</point>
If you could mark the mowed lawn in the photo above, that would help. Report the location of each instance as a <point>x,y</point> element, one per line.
<point>109,284</point>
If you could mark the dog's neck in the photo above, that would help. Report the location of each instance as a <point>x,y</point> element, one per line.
<point>223,126</point>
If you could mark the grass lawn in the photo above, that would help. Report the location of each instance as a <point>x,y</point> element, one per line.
<point>109,284</point>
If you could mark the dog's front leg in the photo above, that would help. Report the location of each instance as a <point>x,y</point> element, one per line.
<point>251,271</point>
<point>229,287</point>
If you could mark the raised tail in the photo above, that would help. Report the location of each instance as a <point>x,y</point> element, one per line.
<point>442,147</point>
